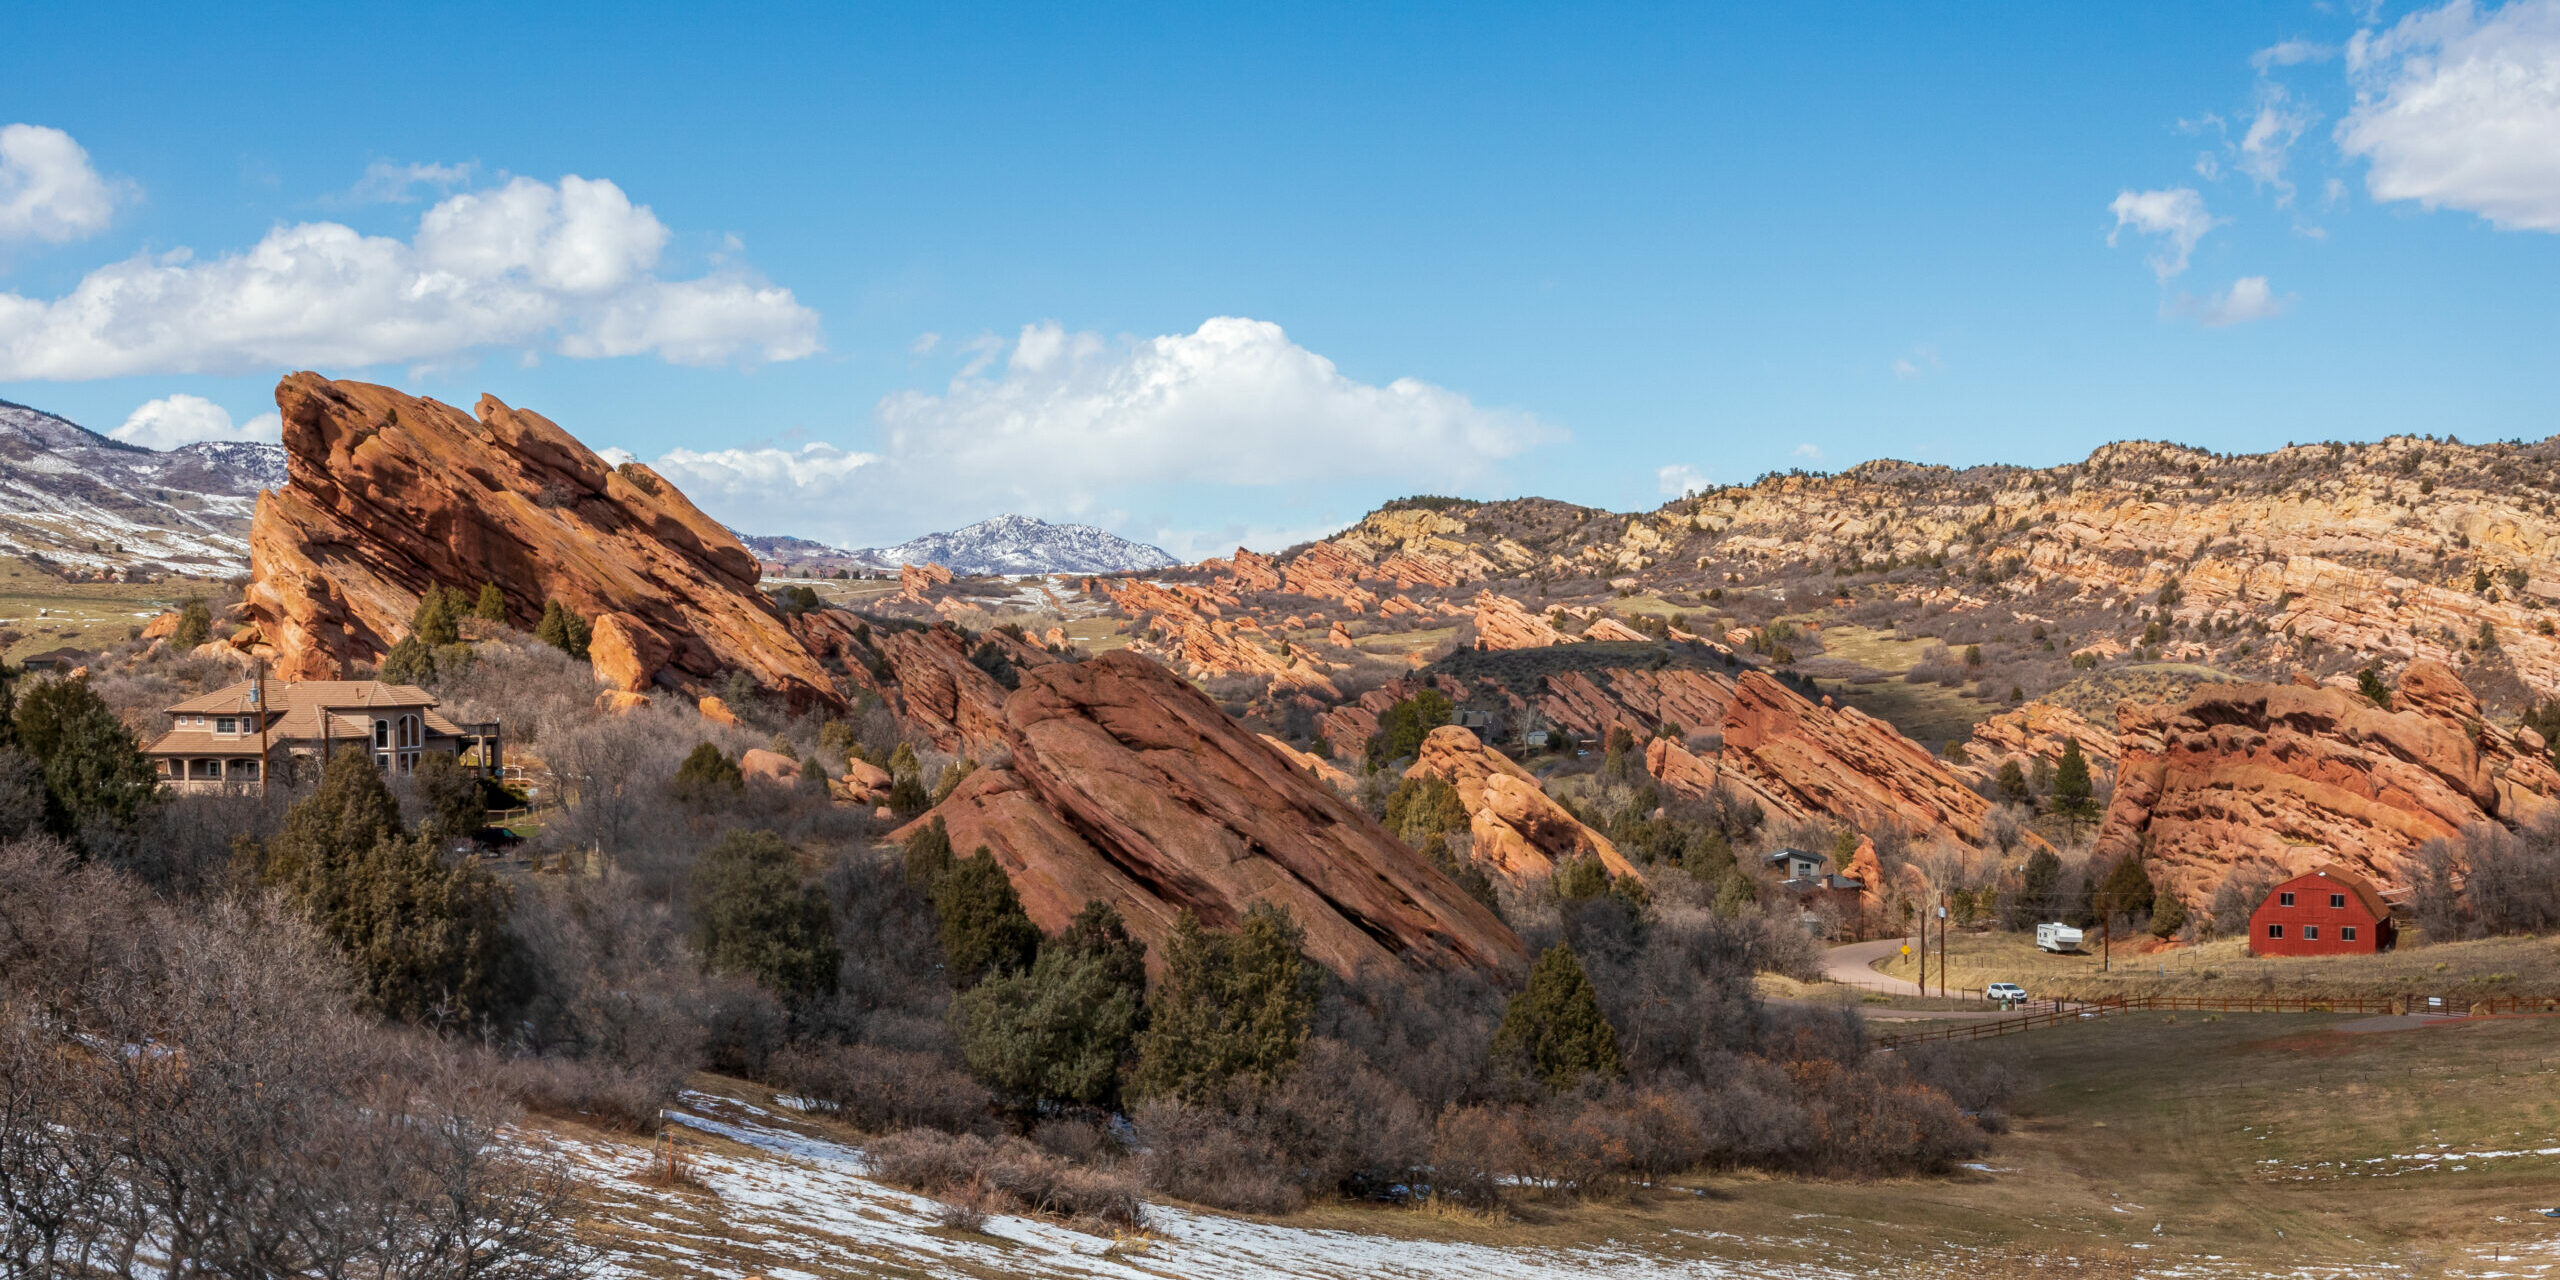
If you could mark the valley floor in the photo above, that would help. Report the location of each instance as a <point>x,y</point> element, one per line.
<point>2145,1145</point>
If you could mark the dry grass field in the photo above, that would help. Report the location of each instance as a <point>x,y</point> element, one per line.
<point>2456,971</point>
<point>48,613</point>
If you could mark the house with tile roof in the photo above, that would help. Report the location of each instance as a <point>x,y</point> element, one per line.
<point>236,738</point>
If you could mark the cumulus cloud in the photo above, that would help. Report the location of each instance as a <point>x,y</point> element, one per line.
<point>2268,142</point>
<point>2176,215</point>
<point>568,266</point>
<point>1679,480</point>
<point>171,421</point>
<point>1809,451</point>
<point>2248,298</point>
<point>2458,107</point>
<point>1058,423</point>
<point>48,191</point>
<point>2291,53</point>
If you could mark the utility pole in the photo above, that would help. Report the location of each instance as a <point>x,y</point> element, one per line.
<point>1942,948</point>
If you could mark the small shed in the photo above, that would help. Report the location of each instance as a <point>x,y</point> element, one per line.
<point>61,660</point>
<point>2329,912</point>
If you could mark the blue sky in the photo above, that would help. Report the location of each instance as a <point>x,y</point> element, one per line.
<point>1204,274</point>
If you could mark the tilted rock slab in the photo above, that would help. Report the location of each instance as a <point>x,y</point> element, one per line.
<point>1518,832</point>
<point>1130,787</point>
<point>389,495</point>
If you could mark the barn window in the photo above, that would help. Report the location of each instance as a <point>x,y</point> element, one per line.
<point>2275,931</point>
<point>2337,902</point>
<point>2311,932</point>
<point>2284,899</point>
<point>2346,933</point>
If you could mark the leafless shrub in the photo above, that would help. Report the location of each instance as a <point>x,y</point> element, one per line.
<point>1205,1156</point>
<point>980,1173</point>
<point>880,1090</point>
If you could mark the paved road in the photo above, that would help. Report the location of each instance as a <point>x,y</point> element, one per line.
<point>1850,963</point>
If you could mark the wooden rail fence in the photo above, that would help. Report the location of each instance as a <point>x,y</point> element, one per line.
<point>2074,1011</point>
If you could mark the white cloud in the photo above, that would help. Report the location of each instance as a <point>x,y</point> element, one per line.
<point>1679,480</point>
<point>48,191</point>
<point>1809,451</point>
<point>567,266</point>
<point>1922,362</point>
<point>388,183</point>
<point>1058,423</point>
<point>2292,53</point>
<point>2176,215</point>
<point>2459,107</point>
<point>2247,299</point>
<point>2269,140</point>
<point>171,421</point>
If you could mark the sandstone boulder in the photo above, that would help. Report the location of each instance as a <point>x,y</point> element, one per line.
<point>1519,833</point>
<point>864,776</point>
<point>760,765</point>
<point>716,711</point>
<point>620,701</point>
<point>625,653</point>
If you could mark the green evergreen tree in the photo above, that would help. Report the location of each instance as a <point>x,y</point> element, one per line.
<point>2034,901</point>
<point>195,625</point>
<point>428,939</point>
<point>2072,789</point>
<point>2168,916</point>
<point>455,803</point>
<point>2369,683</point>
<point>752,914</point>
<point>1707,855</point>
<point>94,770</point>
<point>2127,890</point>
<point>1402,727</point>
<point>1463,872</point>
<point>1423,807</point>
<point>1231,1012</point>
<point>2013,783</point>
<point>708,776</point>
<point>433,622</point>
<point>928,856</point>
<point>408,662</point>
<point>562,630</point>
<point>492,604</point>
<point>980,920</point>
<point>1059,1032</point>
<point>1553,1028</point>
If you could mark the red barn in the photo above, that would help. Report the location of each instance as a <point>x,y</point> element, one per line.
<point>2328,912</point>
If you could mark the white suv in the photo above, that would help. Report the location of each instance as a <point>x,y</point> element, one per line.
<point>2008,992</point>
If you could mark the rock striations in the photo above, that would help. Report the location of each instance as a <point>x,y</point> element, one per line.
<point>1128,786</point>
<point>2302,776</point>
<point>390,495</point>
<point>1517,832</point>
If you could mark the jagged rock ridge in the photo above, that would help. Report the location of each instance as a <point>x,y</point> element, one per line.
<point>1015,545</point>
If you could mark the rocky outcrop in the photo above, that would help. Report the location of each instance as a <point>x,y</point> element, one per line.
<point>2304,776</point>
<point>390,495</point>
<point>953,700</point>
<point>625,653</point>
<point>2038,731</point>
<point>1518,832</point>
<point>1325,770</point>
<point>1501,623</point>
<point>1608,630</point>
<point>1129,786</point>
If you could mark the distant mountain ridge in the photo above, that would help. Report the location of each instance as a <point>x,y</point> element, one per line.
<point>1010,545</point>
<point>94,505</point>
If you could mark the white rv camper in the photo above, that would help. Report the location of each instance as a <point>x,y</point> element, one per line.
<point>2057,937</point>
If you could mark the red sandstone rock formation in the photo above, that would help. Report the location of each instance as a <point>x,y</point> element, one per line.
<point>2305,776</point>
<point>1501,623</point>
<point>940,691</point>
<point>1129,786</point>
<point>914,580</point>
<point>389,495</point>
<point>1518,833</point>
<point>1606,629</point>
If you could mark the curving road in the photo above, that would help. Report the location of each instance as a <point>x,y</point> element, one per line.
<point>1851,964</point>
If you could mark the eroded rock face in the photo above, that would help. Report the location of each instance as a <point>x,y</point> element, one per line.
<point>390,494</point>
<point>956,703</point>
<point>2303,776</point>
<point>1129,786</point>
<point>1518,832</point>
<point>1502,623</point>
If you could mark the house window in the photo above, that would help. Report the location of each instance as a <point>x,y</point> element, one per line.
<point>226,724</point>
<point>2275,931</point>
<point>2337,902</point>
<point>2284,899</point>
<point>382,761</point>
<point>412,733</point>
<point>245,770</point>
<point>382,739</point>
<point>2311,932</point>
<point>2346,933</point>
